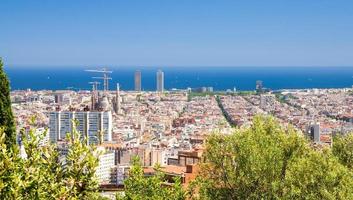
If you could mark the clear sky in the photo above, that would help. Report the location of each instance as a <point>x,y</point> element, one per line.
<point>177,33</point>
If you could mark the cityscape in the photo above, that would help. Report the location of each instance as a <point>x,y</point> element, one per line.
<point>176,100</point>
<point>168,127</point>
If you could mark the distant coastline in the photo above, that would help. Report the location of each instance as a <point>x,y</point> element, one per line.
<point>220,78</point>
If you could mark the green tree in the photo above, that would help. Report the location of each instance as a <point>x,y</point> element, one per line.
<point>6,117</point>
<point>10,170</point>
<point>318,175</point>
<point>42,174</point>
<point>267,161</point>
<point>138,187</point>
<point>40,169</point>
<point>80,167</point>
<point>343,149</point>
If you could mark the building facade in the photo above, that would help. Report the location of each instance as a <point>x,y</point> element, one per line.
<point>89,125</point>
<point>138,80</point>
<point>106,162</point>
<point>160,81</point>
<point>259,86</point>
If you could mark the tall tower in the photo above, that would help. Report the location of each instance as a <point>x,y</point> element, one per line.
<point>259,86</point>
<point>160,81</point>
<point>117,99</point>
<point>94,95</point>
<point>138,80</point>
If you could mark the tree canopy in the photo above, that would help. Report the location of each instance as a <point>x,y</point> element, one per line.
<point>268,161</point>
<point>6,117</point>
<point>138,187</point>
<point>41,174</point>
<point>343,149</point>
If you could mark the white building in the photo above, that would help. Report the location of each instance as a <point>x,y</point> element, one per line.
<point>89,125</point>
<point>106,162</point>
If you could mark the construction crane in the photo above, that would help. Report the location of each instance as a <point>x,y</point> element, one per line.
<point>105,82</point>
<point>105,76</point>
<point>94,85</point>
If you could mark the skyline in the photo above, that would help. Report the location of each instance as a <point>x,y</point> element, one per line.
<point>183,33</point>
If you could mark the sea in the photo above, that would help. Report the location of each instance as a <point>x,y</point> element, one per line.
<point>220,78</point>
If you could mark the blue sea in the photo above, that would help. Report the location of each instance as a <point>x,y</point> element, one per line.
<point>220,78</point>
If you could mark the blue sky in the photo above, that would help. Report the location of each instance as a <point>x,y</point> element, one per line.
<point>177,33</point>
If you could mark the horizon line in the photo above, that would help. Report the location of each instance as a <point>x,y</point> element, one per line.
<point>162,66</point>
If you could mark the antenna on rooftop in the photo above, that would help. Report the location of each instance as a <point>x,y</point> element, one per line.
<point>105,77</point>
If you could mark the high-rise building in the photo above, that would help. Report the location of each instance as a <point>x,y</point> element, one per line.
<point>259,86</point>
<point>138,80</point>
<point>90,124</point>
<point>116,100</point>
<point>314,131</point>
<point>160,81</point>
<point>58,98</point>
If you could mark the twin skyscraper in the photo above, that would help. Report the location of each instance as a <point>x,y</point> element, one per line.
<point>159,79</point>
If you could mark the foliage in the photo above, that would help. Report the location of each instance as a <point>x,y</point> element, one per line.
<point>6,117</point>
<point>38,172</point>
<point>280,97</point>
<point>224,112</point>
<point>267,161</point>
<point>10,176</point>
<point>79,171</point>
<point>343,149</point>
<point>191,95</point>
<point>137,186</point>
<point>318,175</point>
